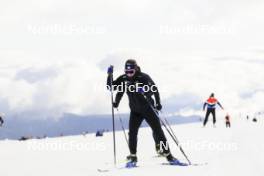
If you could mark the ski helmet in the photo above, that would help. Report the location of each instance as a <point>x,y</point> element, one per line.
<point>130,64</point>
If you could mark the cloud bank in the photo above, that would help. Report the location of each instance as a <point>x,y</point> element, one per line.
<point>190,49</point>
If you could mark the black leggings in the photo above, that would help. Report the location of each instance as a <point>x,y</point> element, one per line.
<point>153,120</point>
<point>208,112</point>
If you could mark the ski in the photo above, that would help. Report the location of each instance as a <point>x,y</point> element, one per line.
<point>118,166</point>
<point>199,164</point>
<point>133,165</point>
<point>184,164</point>
<point>105,170</point>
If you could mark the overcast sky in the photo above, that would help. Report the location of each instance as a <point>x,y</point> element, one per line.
<point>54,53</point>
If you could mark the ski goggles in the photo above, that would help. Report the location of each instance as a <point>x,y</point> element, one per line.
<point>130,67</point>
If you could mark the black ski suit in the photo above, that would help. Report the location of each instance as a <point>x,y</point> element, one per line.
<point>141,106</point>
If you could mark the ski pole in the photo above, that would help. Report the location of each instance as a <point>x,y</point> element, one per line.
<point>170,133</point>
<point>113,117</point>
<point>177,141</point>
<point>173,136</point>
<point>166,121</point>
<point>122,125</point>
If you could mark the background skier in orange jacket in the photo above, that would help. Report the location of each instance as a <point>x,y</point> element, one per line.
<point>211,103</point>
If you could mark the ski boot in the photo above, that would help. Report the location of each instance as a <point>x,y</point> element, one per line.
<point>131,161</point>
<point>174,161</point>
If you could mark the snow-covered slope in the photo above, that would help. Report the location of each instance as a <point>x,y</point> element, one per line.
<point>238,151</point>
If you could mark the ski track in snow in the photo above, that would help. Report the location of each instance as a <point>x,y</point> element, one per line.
<point>83,156</point>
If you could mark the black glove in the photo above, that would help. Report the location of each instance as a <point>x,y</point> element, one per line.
<point>115,105</point>
<point>110,70</point>
<point>158,106</point>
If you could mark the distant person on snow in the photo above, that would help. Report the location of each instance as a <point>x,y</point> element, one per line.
<point>1,121</point>
<point>211,103</point>
<point>227,119</point>
<point>141,104</point>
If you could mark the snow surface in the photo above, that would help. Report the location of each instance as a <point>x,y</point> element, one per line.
<point>229,152</point>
